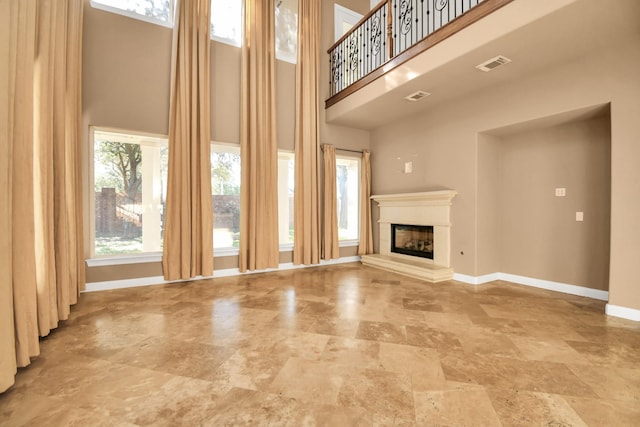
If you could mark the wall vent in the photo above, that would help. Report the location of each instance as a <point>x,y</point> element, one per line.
<point>493,63</point>
<point>417,95</point>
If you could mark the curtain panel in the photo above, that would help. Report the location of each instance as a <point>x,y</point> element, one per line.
<point>306,247</point>
<point>259,247</point>
<point>330,248</point>
<point>42,262</point>
<point>188,232</point>
<point>366,232</point>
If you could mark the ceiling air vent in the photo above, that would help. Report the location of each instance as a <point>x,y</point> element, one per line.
<point>493,63</point>
<point>417,95</point>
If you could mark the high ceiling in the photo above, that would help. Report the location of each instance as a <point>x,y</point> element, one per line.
<point>534,34</point>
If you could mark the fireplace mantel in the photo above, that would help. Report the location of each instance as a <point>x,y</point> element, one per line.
<point>426,208</point>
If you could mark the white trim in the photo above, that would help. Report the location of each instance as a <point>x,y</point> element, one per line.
<point>287,57</point>
<point>476,280</point>
<point>225,252</point>
<point>134,15</point>
<point>122,284</point>
<point>286,247</point>
<point>159,280</point>
<point>121,260</point>
<point>556,286</point>
<point>348,243</point>
<point>229,42</point>
<point>623,312</point>
<point>342,14</point>
<point>536,283</point>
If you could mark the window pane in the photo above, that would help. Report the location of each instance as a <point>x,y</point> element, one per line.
<point>130,175</point>
<point>225,186</point>
<point>286,179</point>
<point>347,183</point>
<point>159,10</point>
<point>226,21</point>
<point>286,30</point>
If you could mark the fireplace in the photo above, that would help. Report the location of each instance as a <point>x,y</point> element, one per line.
<point>414,240</point>
<point>415,235</point>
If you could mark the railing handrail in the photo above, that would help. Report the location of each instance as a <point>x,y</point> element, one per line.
<point>357,24</point>
<point>349,72</point>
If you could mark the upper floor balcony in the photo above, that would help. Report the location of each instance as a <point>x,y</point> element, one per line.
<point>402,47</point>
<point>393,32</point>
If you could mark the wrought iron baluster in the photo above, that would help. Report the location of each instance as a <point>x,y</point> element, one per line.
<point>390,29</point>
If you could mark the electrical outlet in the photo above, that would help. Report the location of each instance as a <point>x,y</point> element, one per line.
<point>579,216</point>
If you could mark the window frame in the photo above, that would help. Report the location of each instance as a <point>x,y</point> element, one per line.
<point>356,241</point>
<point>134,15</point>
<point>95,260</point>
<point>286,247</point>
<point>225,251</point>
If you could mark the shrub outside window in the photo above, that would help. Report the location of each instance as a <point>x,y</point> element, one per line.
<point>225,188</point>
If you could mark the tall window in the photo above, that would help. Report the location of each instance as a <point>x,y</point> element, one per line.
<point>348,187</point>
<point>225,186</point>
<point>226,21</point>
<point>286,179</point>
<point>130,185</point>
<point>155,11</point>
<point>286,30</point>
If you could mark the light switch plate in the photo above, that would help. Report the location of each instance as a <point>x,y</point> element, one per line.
<point>579,216</point>
<point>408,167</point>
<point>561,192</point>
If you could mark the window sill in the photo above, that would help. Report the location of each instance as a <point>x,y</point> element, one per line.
<point>129,259</point>
<point>224,252</point>
<point>157,256</point>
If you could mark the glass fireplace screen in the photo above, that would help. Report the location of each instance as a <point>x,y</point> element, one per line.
<point>415,240</point>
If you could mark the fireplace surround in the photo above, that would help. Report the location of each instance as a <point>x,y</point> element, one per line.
<point>427,209</point>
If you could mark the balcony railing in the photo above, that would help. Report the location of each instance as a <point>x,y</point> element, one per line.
<point>391,32</point>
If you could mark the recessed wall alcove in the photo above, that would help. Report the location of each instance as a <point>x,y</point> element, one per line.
<point>523,227</point>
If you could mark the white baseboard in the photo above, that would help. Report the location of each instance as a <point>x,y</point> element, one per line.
<point>476,280</point>
<point>536,283</point>
<point>556,286</point>
<point>623,312</point>
<point>159,280</point>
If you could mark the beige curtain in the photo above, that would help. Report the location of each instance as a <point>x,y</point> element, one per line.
<point>366,235</point>
<point>306,246</point>
<point>330,248</point>
<point>258,145</point>
<point>188,232</point>
<point>42,267</point>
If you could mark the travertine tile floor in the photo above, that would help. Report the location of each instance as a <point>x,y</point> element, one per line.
<point>337,345</point>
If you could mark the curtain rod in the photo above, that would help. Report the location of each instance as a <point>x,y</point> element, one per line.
<point>351,151</point>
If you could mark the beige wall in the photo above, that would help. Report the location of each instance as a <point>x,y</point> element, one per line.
<point>490,202</point>
<point>126,80</point>
<point>126,71</point>
<point>443,144</point>
<point>537,234</point>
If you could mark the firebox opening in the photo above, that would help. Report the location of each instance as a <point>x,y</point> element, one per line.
<point>414,240</point>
